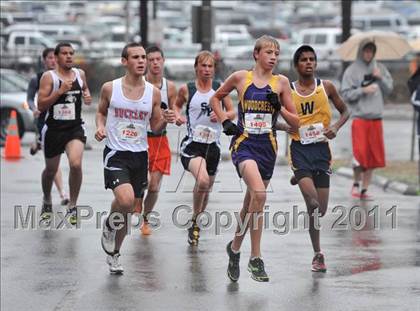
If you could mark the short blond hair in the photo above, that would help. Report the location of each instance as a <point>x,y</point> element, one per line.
<point>203,56</point>
<point>264,41</point>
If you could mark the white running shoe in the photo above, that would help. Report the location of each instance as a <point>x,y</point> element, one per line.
<point>114,264</point>
<point>108,239</point>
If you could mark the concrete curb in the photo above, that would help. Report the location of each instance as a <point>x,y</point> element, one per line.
<point>383,182</point>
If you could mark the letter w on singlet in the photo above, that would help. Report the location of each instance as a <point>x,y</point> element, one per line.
<point>307,108</point>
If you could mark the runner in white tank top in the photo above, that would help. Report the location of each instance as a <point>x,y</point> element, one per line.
<point>127,119</point>
<point>200,148</point>
<point>127,105</point>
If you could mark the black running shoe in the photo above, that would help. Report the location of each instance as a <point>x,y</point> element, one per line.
<point>73,215</point>
<point>193,234</point>
<point>46,211</point>
<point>256,267</point>
<point>34,148</point>
<point>65,201</point>
<point>293,181</point>
<point>233,267</point>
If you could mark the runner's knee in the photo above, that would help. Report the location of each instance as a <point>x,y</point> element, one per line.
<point>126,204</point>
<point>203,182</point>
<point>322,210</point>
<point>153,186</point>
<point>258,199</point>
<point>50,172</point>
<point>313,205</point>
<point>75,165</point>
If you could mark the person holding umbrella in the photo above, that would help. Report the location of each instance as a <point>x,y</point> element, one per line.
<point>414,88</point>
<point>364,85</point>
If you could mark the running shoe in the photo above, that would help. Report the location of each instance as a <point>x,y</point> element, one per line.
<point>65,201</point>
<point>193,234</point>
<point>318,263</point>
<point>145,229</point>
<point>355,192</point>
<point>293,181</point>
<point>233,267</point>
<point>46,211</point>
<point>34,148</point>
<point>256,267</point>
<point>114,264</point>
<point>108,239</point>
<point>73,215</point>
<point>366,197</point>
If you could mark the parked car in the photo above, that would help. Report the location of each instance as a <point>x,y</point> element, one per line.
<point>179,60</point>
<point>26,42</point>
<point>49,30</point>
<point>324,40</point>
<point>235,44</point>
<point>13,97</point>
<point>382,20</point>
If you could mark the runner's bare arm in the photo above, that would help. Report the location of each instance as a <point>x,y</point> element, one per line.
<point>160,119</point>
<point>229,109</point>
<point>288,109</point>
<point>87,98</point>
<point>102,111</point>
<point>339,104</point>
<point>171,95</point>
<point>223,91</point>
<point>181,99</point>
<point>45,95</point>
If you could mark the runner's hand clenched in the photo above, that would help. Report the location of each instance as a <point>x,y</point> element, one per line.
<point>230,128</point>
<point>273,99</point>
<point>169,116</point>
<point>100,133</point>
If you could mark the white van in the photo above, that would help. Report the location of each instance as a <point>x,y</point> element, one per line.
<point>52,30</point>
<point>385,22</point>
<point>325,41</point>
<point>378,20</point>
<point>20,43</point>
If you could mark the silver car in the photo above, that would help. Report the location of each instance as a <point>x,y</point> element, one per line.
<point>13,97</point>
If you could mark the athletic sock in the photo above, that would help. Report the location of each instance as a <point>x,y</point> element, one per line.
<point>233,251</point>
<point>363,191</point>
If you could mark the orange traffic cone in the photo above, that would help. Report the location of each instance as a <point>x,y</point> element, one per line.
<point>12,146</point>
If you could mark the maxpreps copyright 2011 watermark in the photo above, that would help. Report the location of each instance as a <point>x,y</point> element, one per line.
<point>280,222</point>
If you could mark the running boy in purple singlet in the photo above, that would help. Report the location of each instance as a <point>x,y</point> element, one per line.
<point>263,97</point>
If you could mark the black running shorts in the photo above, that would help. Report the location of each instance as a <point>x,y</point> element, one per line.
<point>55,140</point>
<point>210,152</point>
<point>126,167</point>
<point>313,161</point>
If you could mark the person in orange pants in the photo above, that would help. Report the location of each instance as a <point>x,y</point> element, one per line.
<point>159,151</point>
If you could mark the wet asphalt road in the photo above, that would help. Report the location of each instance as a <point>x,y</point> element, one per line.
<point>372,267</point>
